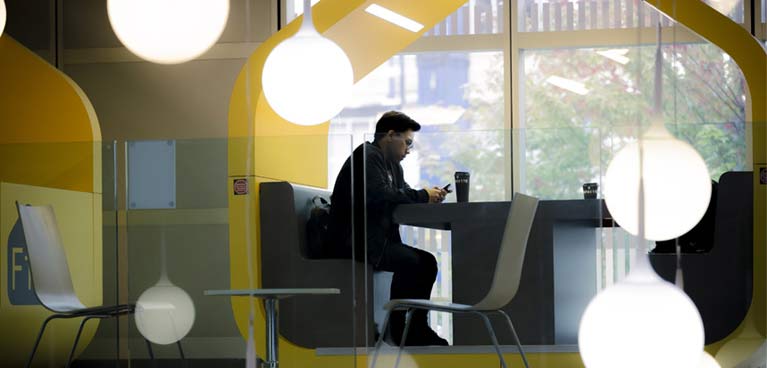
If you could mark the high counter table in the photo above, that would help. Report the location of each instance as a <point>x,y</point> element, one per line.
<point>559,272</point>
<point>271,297</point>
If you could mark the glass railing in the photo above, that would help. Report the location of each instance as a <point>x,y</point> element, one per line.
<point>576,247</point>
<point>235,224</point>
<point>247,214</point>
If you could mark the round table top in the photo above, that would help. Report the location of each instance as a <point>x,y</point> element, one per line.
<point>273,293</point>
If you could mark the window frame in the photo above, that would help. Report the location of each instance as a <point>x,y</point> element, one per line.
<point>513,42</point>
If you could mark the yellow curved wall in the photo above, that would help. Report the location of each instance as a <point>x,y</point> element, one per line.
<point>299,154</point>
<point>283,151</point>
<point>50,153</point>
<point>750,56</point>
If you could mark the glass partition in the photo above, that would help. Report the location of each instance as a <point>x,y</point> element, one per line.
<point>70,188</point>
<point>176,228</point>
<point>576,248</point>
<point>244,237</point>
<point>448,248</point>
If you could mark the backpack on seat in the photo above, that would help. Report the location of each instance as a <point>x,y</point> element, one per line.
<point>317,228</point>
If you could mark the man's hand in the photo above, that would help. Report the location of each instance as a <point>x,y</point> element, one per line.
<point>436,194</point>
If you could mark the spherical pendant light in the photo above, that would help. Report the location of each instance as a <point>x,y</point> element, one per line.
<point>168,31</point>
<point>164,313</point>
<point>642,321</point>
<point>2,17</point>
<point>307,79</point>
<point>654,189</point>
<point>676,182</point>
<point>677,186</point>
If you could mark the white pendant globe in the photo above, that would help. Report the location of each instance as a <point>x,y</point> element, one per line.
<point>164,313</point>
<point>168,31</point>
<point>707,361</point>
<point>676,183</point>
<point>307,79</point>
<point>2,17</point>
<point>640,322</point>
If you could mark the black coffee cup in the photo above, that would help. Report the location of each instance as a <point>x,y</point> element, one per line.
<point>590,190</point>
<point>462,186</point>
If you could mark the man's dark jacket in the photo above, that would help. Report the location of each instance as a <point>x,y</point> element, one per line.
<point>386,188</point>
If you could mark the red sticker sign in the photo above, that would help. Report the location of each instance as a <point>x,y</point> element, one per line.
<point>240,186</point>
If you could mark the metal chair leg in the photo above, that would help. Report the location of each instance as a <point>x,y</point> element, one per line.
<point>408,317</point>
<point>149,349</point>
<point>77,337</point>
<point>493,338</point>
<point>180,350</point>
<point>379,342</point>
<point>39,337</point>
<point>516,338</point>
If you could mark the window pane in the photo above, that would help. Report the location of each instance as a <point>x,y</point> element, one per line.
<point>458,98</point>
<point>730,8</point>
<point>555,15</point>
<point>580,105</point>
<point>474,17</point>
<point>294,8</point>
<point>550,15</point>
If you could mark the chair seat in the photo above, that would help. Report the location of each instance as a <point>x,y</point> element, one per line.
<point>428,304</point>
<point>61,303</point>
<point>105,310</point>
<point>81,310</point>
<point>508,271</point>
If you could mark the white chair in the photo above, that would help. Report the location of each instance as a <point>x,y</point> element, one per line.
<point>508,271</point>
<point>51,279</point>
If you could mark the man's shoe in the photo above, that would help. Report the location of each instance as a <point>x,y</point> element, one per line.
<point>424,336</point>
<point>431,338</point>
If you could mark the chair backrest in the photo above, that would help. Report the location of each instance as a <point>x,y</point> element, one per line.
<point>511,256</point>
<point>51,279</point>
<point>288,207</point>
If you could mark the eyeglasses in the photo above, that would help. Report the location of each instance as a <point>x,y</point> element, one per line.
<point>408,142</point>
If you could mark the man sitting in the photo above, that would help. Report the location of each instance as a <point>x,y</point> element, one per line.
<point>381,188</point>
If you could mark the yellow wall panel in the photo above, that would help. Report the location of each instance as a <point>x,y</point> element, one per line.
<point>47,125</point>
<point>750,56</point>
<point>79,220</point>
<point>50,153</point>
<point>280,150</point>
<point>300,156</point>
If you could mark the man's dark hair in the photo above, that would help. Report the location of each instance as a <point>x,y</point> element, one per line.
<point>396,121</point>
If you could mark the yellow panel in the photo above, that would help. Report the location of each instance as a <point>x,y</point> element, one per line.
<point>750,56</point>
<point>68,166</point>
<point>369,42</point>
<point>298,151</point>
<point>79,219</point>
<point>39,106</point>
<point>283,151</point>
<point>38,103</point>
<point>50,142</point>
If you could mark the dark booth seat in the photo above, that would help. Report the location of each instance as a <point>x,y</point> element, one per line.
<point>720,281</point>
<point>320,321</point>
<point>557,279</point>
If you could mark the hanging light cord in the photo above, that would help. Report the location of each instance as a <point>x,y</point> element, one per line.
<point>642,256</point>
<point>251,352</point>
<point>679,277</point>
